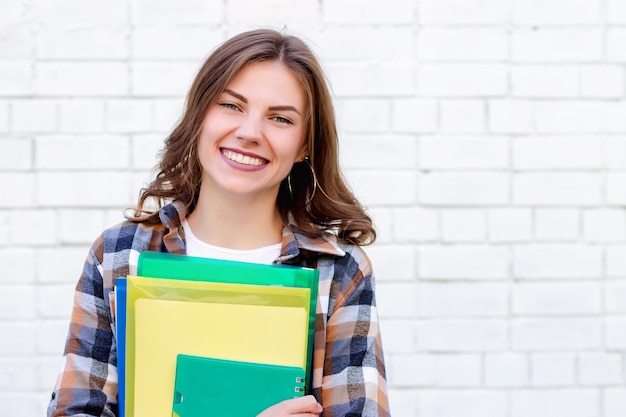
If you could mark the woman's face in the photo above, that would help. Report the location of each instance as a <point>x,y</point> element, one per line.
<point>254,132</point>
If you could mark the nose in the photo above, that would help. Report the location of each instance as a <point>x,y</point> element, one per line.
<point>250,129</point>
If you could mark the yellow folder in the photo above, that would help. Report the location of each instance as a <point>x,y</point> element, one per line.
<point>164,329</point>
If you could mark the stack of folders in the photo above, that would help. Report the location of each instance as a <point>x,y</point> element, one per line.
<point>198,336</point>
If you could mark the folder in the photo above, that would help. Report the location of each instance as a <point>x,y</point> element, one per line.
<point>120,334</point>
<point>165,328</point>
<point>173,266</point>
<point>207,386</point>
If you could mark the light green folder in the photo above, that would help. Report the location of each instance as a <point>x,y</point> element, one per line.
<point>206,386</point>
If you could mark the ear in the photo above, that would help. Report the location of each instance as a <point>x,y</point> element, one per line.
<point>304,152</point>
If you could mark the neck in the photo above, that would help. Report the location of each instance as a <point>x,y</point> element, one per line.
<point>236,223</point>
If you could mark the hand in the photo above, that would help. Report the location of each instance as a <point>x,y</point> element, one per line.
<point>305,406</point>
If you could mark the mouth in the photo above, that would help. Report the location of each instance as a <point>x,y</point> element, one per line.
<point>243,159</point>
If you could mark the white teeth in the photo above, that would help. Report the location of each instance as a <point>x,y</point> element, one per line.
<point>243,159</point>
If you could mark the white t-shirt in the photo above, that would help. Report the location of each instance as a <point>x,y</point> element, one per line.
<point>196,247</point>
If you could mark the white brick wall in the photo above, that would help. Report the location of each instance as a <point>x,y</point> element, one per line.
<point>486,137</point>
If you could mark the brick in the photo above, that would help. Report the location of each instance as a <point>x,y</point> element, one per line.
<point>34,116</point>
<point>546,403</point>
<point>55,301</point>
<point>72,13</point>
<point>600,369</point>
<point>462,403</point>
<point>20,403</point>
<point>570,117</point>
<point>18,338</point>
<point>556,12</point>
<point>383,223</point>
<point>463,262</point>
<point>396,300</point>
<point>463,152</point>
<point>17,303</point>
<point>370,12</point>
<point>463,225</point>
<point>61,265</point>
<point>557,261</point>
<point>510,116</point>
<point>361,43</point>
<point>461,44</point>
<point>89,189</point>
<point>462,80</point>
<point>614,400</point>
<point>79,226</point>
<point>615,40</point>
<point>363,115</point>
<point>616,153</point>
<point>450,12</point>
<point>81,116</point>
<point>15,154</point>
<point>416,225</point>
<point>384,187</point>
<point>462,116</point>
<point>570,189</point>
<point>557,45</point>
<point>564,334</point>
<point>371,80</point>
<point>51,336</point>
<point>553,369</point>
<point>615,296</point>
<point>604,81</point>
<point>20,187</point>
<point>552,298</point>
<point>409,370</point>
<point>186,12</point>
<point>400,335</point>
<point>167,113</point>
<point>616,11</point>
<point>615,329</point>
<point>4,116</point>
<point>545,153</point>
<point>414,116</point>
<point>616,189</point>
<point>162,78</point>
<point>81,79</point>
<point>85,43</point>
<point>557,224</point>
<point>18,375</point>
<point>145,150</point>
<point>17,266</point>
<point>76,152</point>
<point>404,399</point>
<point>462,335</point>
<point>464,189</point>
<point>15,78</point>
<point>16,42</point>
<point>616,261</point>
<point>458,370</point>
<point>461,300</point>
<point>42,228</point>
<point>545,81</point>
<point>506,370</point>
<point>124,116</point>
<point>614,113</point>
<point>11,11</point>
<point>604,225</point>
<point>170,43</point>
<point>389,152</point>
<point>509,225</point>
<point>393,262</point>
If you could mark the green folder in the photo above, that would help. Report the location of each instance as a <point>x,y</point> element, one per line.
<point>207,386</point>
<point>183,267</point>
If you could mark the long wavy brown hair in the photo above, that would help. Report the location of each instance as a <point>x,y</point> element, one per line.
<point>315,192</point>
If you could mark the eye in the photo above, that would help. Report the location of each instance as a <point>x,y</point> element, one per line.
<point>282,119</point>
<point>229,105</point>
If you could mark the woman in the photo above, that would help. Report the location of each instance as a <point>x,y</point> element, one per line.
<point>250,173</point>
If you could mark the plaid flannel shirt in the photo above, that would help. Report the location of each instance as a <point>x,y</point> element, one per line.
<point>348,366</point>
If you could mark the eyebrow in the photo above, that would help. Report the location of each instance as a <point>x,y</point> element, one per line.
<point>272,108</point>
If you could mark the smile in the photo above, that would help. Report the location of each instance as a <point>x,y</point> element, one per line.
<point>243,159</point>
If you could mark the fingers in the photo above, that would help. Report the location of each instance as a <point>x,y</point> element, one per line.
<point>306,406</point>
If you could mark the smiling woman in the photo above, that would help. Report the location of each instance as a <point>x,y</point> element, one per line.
<point>251,173</point>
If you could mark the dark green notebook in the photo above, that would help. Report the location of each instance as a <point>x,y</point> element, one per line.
<point>207,386</point>
<point>172,266</point>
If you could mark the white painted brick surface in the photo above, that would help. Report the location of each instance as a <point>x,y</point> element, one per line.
<point>487,138</point>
